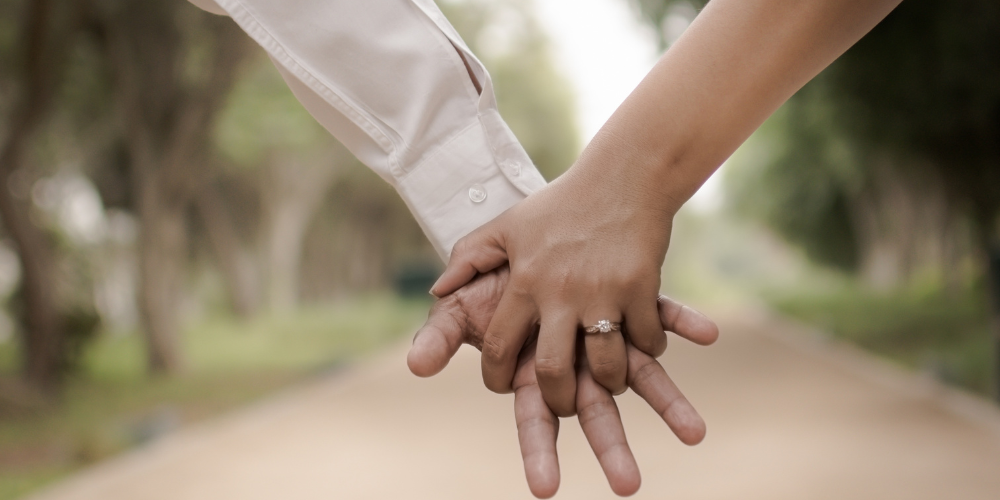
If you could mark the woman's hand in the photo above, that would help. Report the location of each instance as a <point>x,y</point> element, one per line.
<point>587,248</point>
<point>463,317</point>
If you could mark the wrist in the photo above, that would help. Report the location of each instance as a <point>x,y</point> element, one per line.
<point>640,179</point>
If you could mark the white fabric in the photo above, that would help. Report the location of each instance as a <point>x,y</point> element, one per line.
<point>386,79</point>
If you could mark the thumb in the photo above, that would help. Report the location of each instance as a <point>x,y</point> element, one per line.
<point>481,251</point>
<point>436,342</point>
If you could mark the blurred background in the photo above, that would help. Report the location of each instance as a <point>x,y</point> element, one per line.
<point>179,237</point>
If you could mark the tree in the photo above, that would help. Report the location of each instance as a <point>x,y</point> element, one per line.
<point>168,85</point>
<point>33,70</point>
<point>924,88</point>
<point>359,235</point>
<point>916,106</point>
<point>266,135</point>
<point>534,99</point>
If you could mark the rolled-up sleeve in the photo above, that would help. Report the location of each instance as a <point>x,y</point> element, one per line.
<point>386,78</point>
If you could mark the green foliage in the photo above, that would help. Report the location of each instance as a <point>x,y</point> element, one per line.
<point>15,485</point>
<point>86,98</point>
<point>925,83</point>
<point>361,235</point>
<point>261,116</point>
<point>939,331</point>
<point>655,11</point>
<point>800,185</point>
<point>921,90</point>
<point>364,234</point>
<point>10,16</point>
<point>112,405</point>
<point>539,110</point>
<point>921,93</point>
<point>534,99</point>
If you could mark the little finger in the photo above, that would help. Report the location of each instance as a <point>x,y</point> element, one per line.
<point>650,381</point>
<point>686,322</point>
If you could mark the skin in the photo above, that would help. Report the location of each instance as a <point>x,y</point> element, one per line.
<point>463,318</point>
<point>591,244</point>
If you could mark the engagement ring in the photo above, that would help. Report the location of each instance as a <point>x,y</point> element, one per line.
<point>604,326</point>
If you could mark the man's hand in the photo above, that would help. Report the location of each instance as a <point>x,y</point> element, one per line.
<point>464,316</point>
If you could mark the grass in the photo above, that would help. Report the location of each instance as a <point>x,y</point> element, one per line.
<point>112,405</point>
<point>945,333</point>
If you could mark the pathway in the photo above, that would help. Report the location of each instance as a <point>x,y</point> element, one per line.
<point>790,416</point>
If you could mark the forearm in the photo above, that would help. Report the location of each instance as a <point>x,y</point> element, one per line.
<point>737,63</point>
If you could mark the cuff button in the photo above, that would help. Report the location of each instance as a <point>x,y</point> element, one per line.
<point>477,193</point>
<point>514,167</point>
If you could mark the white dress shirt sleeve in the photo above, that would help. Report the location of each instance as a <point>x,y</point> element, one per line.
<point>385,77</point>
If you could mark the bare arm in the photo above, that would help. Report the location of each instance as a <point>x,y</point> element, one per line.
<point>736,64</point>
<point>590,246</point>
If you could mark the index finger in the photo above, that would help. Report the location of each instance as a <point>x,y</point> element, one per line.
<point>537,429</point>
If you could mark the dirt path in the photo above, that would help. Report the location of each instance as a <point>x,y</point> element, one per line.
<point>788,418</point>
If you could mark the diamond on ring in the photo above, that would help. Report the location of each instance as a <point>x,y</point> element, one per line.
<point>604,326</point>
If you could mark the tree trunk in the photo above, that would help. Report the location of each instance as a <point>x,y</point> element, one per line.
<point>992,248</point>
<point>905,227</point>
<point>167,119</point>
<point>291,193</point>
<point>878,252</point>
<point>994,273</point>
<point>234,262</point>
<point>42,338</point>
<point>162,255</point>
<point>43,47</point>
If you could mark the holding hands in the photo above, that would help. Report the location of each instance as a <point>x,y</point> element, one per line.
<point>587,249</point>
<point>465,316</point>
<point>581,255</point>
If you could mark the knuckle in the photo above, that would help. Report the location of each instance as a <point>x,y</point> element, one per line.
<point>518,284</point>
<point>495,349</point>
<point>551,368</point>
<point>594,410</point>
<point>546,420</point>
<point>651,343</point>
<point>606,368</point>
<point>643,284</point>
<point>461,247</point>
<point>563,280</point>
<point>623,279</point>
<point>644,372</point>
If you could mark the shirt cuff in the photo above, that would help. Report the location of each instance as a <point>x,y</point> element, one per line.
<point>461,186</point>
